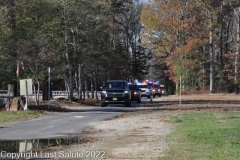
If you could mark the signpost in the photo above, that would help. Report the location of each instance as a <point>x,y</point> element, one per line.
<point>25,90</point>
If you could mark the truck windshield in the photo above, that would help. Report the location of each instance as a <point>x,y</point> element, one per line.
<point>121,85</point>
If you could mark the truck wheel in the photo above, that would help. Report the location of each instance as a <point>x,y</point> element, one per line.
<point>103,105</point>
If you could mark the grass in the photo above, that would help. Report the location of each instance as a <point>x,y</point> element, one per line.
<point>201,136</point>
<point>18,115</point>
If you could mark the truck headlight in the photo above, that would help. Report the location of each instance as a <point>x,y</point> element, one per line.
<point>104,93</point>
<point>126,92</point>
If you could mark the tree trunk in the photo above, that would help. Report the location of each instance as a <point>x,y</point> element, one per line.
<point>35,94</point>
<point>10,90</point>
<point>86,88</point>
<point>69,66</point>
<point>38,92</point>
<point>92,90</point>
<point>45,92</point>
<point>80,82</point>
<point>67,86</point>
<point>84,93</point>
<point>95,84</point>
<point>76,77</point>
<point>212,68</point>
<point>237,52</point>
<point>11,14</point>
<point>177,89</point>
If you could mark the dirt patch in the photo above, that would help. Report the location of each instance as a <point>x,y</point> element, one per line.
<point>220,96</point>
<point>202,102</point>
<point>59,104</point>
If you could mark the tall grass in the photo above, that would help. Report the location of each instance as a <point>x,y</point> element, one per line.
<point>205,136</point>
<point>18,115</point>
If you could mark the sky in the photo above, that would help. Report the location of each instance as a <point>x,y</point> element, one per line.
<point>143,1</point>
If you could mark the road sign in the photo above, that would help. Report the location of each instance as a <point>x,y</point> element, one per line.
<point>26,87</point>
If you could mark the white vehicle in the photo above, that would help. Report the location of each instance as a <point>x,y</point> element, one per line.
<point>163,90</point>
<point>145,90</point>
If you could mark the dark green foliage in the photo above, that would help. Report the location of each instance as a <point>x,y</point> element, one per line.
<point>66,34</point>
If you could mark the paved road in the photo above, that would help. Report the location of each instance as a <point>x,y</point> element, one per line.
<point>61,124</point>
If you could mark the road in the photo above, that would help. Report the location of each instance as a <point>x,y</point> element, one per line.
<point>61,124</point>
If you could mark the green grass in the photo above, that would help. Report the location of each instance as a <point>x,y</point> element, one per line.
<point>18,116</point>
<point>201,136</point>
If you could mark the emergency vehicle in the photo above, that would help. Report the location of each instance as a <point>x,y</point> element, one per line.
<point>148,88</point>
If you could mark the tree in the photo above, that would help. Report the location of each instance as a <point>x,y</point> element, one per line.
<point>76,40</point>
<point>8,41</point>
<point>178,37</point>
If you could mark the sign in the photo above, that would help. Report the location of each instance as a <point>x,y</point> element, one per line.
<point>26,87</point>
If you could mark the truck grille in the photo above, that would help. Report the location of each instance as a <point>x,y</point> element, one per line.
<point>115,95</point>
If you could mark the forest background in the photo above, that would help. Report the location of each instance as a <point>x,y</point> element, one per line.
<point>187,44</point>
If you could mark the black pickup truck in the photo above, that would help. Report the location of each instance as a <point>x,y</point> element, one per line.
<point>116,92</point>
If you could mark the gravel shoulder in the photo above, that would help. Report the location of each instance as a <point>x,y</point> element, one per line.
<point>132,136</point>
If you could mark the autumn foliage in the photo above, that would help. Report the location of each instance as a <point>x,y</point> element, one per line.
<point>181,32</point>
